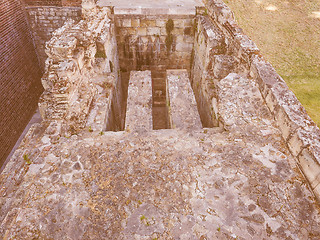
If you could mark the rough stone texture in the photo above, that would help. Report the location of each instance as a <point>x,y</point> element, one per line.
<point>239,54</point>
<point>300,132</point>
<point>79,55</point>
<point>100,116</point>
<point>164,184</point>
<point>44,20</point>
<point>152,5</point>
<point>58,3</point>
<point>183,112</point>
<point>144,42</point>
<point>20,85</point>
<point>139,102</point>
<point>239,181</point>
<point>209,40</point>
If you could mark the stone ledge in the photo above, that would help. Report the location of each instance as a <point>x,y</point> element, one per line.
<point>52,7</point>
<point>219,11</point>
<point>154,11</point>
<point>299,131</point>
<point>297,128</point>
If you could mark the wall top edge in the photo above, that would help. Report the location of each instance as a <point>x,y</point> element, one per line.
<point>66,7</point>
<point>154,11</point>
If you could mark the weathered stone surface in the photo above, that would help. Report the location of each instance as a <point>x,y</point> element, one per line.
<point>139,102</point>
<point>183,112</point>
<point>100,108</point>
<point>160,184</point>
<point>240,181</point>
<point>241,107</point>
<point>300,132</point>
<point>79,55</point>
<point>223,65</point>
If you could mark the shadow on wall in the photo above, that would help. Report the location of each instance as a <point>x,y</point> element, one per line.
<point>20,85</point>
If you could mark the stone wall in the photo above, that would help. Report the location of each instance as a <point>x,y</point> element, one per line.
<point>58,3</point>
<point>81,59</point>
<point>146,41</point>
<point>222,47</point>
<point>20,85</point>
<point>44,18</point>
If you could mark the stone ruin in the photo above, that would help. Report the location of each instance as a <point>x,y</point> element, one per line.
<point>162,124</point>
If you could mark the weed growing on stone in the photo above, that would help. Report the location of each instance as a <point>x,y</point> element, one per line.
<point>143,217</point>
<point>26,159</point>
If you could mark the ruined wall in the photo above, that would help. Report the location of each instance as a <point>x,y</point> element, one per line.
<point>222,47</point>
<point>146,41</point>
<point>46,16</point>
<point>20,85</point>
<point>81,74</point>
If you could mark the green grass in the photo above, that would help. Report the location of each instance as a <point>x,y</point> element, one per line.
<point>289,38</point>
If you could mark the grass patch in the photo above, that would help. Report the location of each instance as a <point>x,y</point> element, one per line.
<point>288,37</point>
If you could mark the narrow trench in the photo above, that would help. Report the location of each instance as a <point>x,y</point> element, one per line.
<point>146,52</point>
<point>159,99</point>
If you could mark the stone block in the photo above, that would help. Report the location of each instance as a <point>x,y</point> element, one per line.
<point>270,100</point>
<point>288,111</point>
<point>302,138</point>
<point>127,11</point>
<point>154,11</point>
<point>223,65</point>
<point>178,31</point>
<point>286,127</point>
<point>142,31</point>
<point>185,12</point>
<point>184,47</point>
<point>188,39</point>
<point>178,23</point>
<point>219,11</point>
<point>265,75</point>
<point>126,22</point>
<point>161,23</point>
<point>188,22</point>
<point>135,22</point>
<point>309,163</point>
<point>163,31</point>
<point>151,31</point>
<point>132,31</point>
<point>183,111</point>
<point>148,23</point>
<point>139,103</point>
<point>118,21</point>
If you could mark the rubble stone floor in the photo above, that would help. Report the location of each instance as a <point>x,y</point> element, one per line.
<point>164,184</point>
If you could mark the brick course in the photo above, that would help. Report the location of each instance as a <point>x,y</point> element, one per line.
<point>20,85</point>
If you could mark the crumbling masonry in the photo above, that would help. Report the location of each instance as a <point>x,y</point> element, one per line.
<point>162,123</point>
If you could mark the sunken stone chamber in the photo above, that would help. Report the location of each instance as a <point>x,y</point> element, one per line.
<point>154,41</point>
<point>241,181</point>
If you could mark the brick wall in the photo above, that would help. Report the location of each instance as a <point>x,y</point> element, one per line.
<point>47,16</point>
<point>20,75</point>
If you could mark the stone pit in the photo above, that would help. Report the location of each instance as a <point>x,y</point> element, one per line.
<point>162,123</point>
